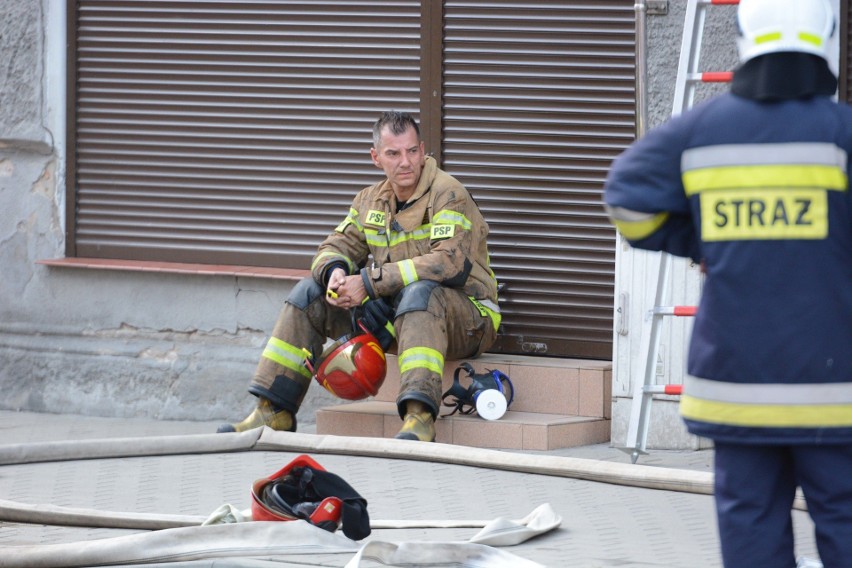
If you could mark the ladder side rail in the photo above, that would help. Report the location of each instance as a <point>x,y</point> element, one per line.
<point>690,54</point>
<point>640,415</point>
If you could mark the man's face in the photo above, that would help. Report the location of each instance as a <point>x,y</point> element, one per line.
<point>402,159</point>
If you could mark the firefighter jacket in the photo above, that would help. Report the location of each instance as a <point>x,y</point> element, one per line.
<point>759,193</point>
<point>439,234</point>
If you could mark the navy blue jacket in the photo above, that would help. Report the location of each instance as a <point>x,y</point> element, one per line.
<point>758,192</point>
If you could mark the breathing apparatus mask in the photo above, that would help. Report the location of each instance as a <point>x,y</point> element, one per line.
<point>489,395</point>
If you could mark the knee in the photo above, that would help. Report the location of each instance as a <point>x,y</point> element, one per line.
<point>304,293</point>
<point>415,297</point>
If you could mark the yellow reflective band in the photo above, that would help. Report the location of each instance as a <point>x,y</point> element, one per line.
<point>375,217</point>
<point>351,219</point>
<point>389,328</point>
<point>421,358</point>
<point>766,415</point>
<point>373,238</point>
<point>485,311</point>
<point>407,272</point>
<point>810,38</point>
<point>450,217</point>
<point>774,176</point>
<point>287,356</point>
<point>764,214</point>
<point>329,256</point>
<point>418,234</point>
<point>442,232</point>
<point>766,38</point>
<point>636,230</point>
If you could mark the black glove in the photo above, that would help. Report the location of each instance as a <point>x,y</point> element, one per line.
<point>377,318</point>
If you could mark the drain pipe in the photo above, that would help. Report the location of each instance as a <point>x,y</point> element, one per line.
<point>641,9</point>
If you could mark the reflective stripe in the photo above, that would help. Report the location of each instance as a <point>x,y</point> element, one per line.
<point>636,225</point>
<point>450,217</point>
<point>767,405</point>
<point>421,358</point>
<point>811,38</point>
<point>407,272</point>
<point>388,327</point>
<point>351,219</point>
<point>375,239</point>
<point>816,153</point>
<point>767,37</point>
<point>731,166</point>
<point>287,356</point>
<point>326,257</point>
<point>771,176</point>
<point>774,393</point>
<point>418,234</point>
<point>487,308</point>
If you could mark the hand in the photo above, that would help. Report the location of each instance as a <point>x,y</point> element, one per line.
<point>350,290</point>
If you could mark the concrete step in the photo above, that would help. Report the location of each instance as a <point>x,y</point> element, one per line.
<point>559,403</point>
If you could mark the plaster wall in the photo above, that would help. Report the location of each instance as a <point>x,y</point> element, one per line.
<point>98,342</point>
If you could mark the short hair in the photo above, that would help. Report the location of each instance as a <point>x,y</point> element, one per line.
<point>397,122</point>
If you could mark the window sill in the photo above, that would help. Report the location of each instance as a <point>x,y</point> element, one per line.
<point>177,268</point>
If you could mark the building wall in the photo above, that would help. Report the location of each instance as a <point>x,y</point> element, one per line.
<point>103,342</point>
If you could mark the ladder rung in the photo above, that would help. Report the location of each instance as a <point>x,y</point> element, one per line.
<point>717,76</point>
<point>712,77</point>
<point>663,389</point>
<point>680,311</point>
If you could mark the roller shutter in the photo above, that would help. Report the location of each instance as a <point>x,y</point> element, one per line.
<point>538,100</point>
<point>231,132</point>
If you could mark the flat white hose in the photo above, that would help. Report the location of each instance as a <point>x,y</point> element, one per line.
<point>265,439</point>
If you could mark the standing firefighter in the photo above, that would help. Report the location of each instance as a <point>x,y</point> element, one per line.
<point>411,257</point>
<point>754,185</point>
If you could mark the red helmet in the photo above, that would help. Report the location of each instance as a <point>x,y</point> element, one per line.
<point>352,368</point>
<point>270,500</point>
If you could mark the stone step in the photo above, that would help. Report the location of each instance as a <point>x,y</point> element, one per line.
<point>558,403</point>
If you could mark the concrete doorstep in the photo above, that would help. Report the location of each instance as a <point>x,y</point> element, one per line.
<point>558,403</point>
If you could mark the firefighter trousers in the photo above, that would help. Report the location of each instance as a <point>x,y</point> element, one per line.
<point>432,323</point>
<point>755,486</point>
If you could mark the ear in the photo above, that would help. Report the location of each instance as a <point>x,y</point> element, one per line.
<point>375,156</point>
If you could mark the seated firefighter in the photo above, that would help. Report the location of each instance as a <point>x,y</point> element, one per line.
<point>409,264</point>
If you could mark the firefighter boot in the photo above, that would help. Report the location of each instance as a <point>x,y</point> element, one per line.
<point>419,424</point>
<point>264,415</point>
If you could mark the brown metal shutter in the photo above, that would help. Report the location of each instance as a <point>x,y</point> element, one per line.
<point>538,101</point>
<point>230,132</point>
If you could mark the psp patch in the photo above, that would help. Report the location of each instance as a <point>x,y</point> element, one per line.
<point>442,232</point>
<point>375,217</point>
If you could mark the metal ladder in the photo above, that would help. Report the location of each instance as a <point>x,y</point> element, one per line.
<point>645,387</point>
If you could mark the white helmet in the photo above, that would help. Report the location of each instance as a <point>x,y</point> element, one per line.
<point>771,26</point>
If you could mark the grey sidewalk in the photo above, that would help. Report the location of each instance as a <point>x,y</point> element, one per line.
<point>603,525</point>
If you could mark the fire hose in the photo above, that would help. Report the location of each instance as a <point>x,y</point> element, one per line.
<point>265,439</point>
